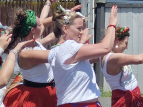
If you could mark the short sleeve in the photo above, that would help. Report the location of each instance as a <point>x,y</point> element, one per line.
<point>1,95</point>
<point>67,50</point>
<point>50,56</point>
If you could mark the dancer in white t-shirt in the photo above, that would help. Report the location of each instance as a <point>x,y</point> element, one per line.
<point>75,79</point>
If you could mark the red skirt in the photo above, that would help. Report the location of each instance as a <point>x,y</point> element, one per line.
<point>23,96</point>
<point>127,98</point>
<point>96,104</point>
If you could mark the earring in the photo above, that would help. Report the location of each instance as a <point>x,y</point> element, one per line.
<point>33,39</point>
<point>116,46</point>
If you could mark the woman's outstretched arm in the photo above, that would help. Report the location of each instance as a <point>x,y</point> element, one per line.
<point>8,66</point>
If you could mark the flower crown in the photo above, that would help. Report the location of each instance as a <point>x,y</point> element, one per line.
<point>66,17</point>
<point>123,31</point>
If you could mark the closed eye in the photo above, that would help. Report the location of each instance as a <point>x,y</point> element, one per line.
<point>80,28</point>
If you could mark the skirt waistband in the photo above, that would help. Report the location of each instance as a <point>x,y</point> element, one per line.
<point>38,85</point>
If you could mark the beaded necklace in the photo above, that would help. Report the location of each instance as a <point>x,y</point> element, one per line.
<point>55,46</point>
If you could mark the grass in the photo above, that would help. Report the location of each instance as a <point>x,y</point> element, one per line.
<point>108,94</point>
<point>105,94</point>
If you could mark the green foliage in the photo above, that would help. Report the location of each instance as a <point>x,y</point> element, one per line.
<point>105,94</point>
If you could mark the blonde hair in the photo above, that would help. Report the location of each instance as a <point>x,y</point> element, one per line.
<point>59,21</point>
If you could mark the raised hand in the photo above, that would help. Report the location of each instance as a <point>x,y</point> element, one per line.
<point>85,37</point>
<point>113,15</point>
<point>22,45</point>
<point>5,40</point>
<point>52,1</point>
<point>76,8</point>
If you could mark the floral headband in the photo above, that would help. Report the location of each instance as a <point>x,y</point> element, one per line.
<point>66,17</point>
<point>123,31</point>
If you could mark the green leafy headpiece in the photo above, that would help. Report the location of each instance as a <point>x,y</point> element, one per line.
<point>28,23</point>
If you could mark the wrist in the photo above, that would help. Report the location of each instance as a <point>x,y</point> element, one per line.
<point>48,3</point>
<point>15,53</point>
<point>112,26</point>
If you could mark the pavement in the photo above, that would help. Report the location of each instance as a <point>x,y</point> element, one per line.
<point>105,101</point>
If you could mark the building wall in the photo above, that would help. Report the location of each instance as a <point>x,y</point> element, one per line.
<point>88,9</point>
<point>131,17</point>
<point>124,1</point>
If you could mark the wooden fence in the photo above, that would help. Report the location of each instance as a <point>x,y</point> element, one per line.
<point>7,7</point>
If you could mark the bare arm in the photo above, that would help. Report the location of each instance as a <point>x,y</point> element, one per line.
<point>93,51</point>
<point>117,60</point>
<point>44,13</point>
<point>48,39</point>
<point>8,66</point>
<point>121,59</point>
<point>46,9</point>
<point>7,70</point>
<point>47,21</point>
<point>94,60</point>
<point>30,58</point>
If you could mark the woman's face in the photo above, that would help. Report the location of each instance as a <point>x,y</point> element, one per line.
<point>123,44</point>
<point>37,30</point>
<point>75,31</point>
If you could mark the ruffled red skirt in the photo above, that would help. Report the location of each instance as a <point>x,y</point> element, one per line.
<point>127,98</point>
<point>23,96</point>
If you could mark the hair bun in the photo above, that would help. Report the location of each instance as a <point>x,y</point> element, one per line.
<point>20,17</point>
<point>58,14</point>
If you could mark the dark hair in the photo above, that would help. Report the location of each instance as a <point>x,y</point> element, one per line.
<point>119,35</point>
<point>20,15</point>
<point>59,21</point>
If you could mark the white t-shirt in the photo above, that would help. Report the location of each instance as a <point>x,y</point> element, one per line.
<point>1,97</point>
<point>74,82</point>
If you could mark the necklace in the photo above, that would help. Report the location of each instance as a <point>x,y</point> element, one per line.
<point>55,46</point>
